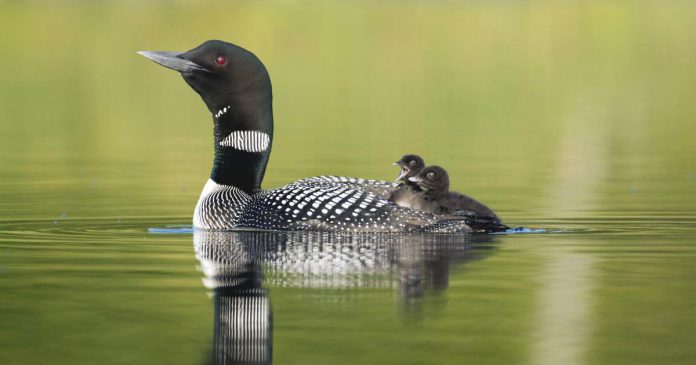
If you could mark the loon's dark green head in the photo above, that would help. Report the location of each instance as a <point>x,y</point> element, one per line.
<point>433,179</point>
<point>220,72</point>
<point>236,88</point>
<point>410,166</point>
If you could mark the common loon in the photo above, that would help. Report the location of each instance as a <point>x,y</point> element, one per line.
<point>236,89</point>
<point>436,197</point>
<point>408,191</point>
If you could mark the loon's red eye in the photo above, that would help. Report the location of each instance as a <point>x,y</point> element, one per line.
<point>221,59</point>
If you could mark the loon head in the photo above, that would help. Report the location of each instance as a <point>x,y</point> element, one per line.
<point>410,166</point>
<point>236,88</point>
<point>432,179</point>
<point>220,72</point>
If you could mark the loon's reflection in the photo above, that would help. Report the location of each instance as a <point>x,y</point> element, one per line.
<point>233,264</point>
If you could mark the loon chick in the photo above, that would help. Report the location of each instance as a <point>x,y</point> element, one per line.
<point>407,192</point>
<point>410,166</point>
<point>236,89</point>
<point>436,197</point>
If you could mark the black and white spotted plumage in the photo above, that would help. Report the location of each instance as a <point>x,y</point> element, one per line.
<point>381,188</point>
<point>314,204</point>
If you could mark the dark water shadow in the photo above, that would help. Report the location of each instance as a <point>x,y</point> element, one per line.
<point>237,266</point>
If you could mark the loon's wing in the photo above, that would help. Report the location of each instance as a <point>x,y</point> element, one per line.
<point>320,204</point>
<point>381,188</point>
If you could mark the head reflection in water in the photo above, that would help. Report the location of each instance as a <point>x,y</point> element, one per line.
<point>232,263</point>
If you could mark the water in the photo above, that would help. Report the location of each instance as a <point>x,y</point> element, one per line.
<point>575,121</point>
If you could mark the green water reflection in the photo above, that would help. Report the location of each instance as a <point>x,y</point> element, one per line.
<point>576,117</point>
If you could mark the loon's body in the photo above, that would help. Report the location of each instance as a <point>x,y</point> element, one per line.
<point>407,192</point>
<point>437,199</point>
<point>236,88</point>
<point>312,205</point>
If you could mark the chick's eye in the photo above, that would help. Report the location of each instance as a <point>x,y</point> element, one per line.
<point>430,175</point>
<point>221,60</point>
<point>412,163</point>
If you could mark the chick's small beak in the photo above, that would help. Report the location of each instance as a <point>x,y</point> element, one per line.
<point>404,171</point>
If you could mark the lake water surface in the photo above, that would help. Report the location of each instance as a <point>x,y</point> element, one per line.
<point>577,119</point>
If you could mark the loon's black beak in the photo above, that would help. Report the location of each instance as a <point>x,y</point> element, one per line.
<point>173,60</point>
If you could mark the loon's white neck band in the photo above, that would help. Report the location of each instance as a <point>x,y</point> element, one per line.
<point>249,141</point>
<point>243,140</point>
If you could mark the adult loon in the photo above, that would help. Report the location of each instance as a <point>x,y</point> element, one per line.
<point>410,165</point>
<point>436,197</point>
<point>236,88</point>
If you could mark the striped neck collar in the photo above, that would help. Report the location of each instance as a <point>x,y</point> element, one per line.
<point>243,137</point>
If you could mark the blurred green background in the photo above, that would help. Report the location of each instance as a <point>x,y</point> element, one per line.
<point>501,93</point>
<point>572,115</point>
